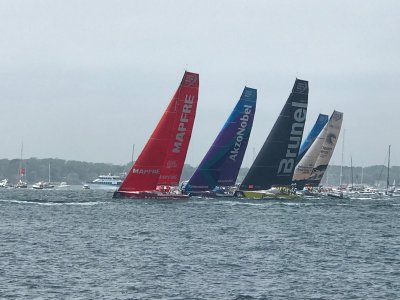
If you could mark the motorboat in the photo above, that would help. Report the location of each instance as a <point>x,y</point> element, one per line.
<point>106,182</point>
<point>41,185</point>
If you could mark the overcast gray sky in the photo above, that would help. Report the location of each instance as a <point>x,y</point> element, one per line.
<point>84,80</point>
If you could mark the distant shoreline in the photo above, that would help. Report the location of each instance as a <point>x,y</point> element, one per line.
<point>77,172</point>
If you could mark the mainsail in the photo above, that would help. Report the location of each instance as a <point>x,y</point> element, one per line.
<point>274,164</point>
<point>167,146</point>
<point>185,112</point>
<point>333,129</point>
<point>306,164</point>
<point>315,131</point>
<point>221,164</point>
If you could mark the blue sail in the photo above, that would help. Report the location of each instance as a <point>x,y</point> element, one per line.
<point>221,164</point>
<point>318,126</point>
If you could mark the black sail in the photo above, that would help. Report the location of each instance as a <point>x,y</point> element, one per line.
<point>275,163</point>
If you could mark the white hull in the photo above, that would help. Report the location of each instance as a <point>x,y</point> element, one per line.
<point>99,186</point>
<point>62,187</point>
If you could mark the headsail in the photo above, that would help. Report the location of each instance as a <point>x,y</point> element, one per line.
<point>185,111</point>
<point>276,160</point>
<point>221,164</point>
<point>173,131</point>
<point>315,131</point>
<point>333,129</point>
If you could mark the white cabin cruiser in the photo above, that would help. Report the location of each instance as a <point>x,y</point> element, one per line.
<point>106,182</point>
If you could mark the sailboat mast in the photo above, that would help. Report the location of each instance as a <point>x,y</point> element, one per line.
<point>388,171</point>
<point>351,165</point>
<point>362,175</point>
<point>341,165</point>
<point>133,152</point>
<point>20,162</point>
<point>49,174</point>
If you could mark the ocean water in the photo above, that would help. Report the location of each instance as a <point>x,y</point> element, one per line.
<point>84,245</point>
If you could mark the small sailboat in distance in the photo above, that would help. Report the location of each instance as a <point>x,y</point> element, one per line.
<point>21,184</point>
<point>220,166</point>
<point>275,163</point>
<point>43,184</point>
<point>165,152</point>
<point>389,191</point>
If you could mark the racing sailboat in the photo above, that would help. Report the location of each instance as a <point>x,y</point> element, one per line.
<point>275,163</point>
<point>220,166</point>
<point>328,146</point>
<point>306,164</point>
<point>161,160</point>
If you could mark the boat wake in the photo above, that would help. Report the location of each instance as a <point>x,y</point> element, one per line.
<point>47,203</point>
<point>235,203</point>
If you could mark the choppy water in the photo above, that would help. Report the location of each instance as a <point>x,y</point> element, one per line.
<point>84,245</point>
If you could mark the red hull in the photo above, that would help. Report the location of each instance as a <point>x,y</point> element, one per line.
<point>148,195</point>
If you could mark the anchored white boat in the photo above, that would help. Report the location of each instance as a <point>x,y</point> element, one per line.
<point>63,185</point>
<point>4,183</point>
<point>42,185</point>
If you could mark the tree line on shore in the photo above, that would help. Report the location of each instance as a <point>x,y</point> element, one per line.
<point>78,172</point>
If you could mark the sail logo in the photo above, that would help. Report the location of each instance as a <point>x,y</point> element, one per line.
<point>167,177</point>
<point>331,139</point>
<point>186,110</point>
<point>190,79</point>
<point>145,171</point>
<point>337,116</point>
<point>287,164</point>
<point>301,87</point>
<point>248,93</point>
<point>240,132</point>
<point>171,164</point>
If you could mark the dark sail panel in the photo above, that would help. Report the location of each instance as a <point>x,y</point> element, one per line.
<point>276,160</point>
<point>221,164</point>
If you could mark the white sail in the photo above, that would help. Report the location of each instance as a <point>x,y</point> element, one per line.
<point>333,130</point>
<point>306,164</point>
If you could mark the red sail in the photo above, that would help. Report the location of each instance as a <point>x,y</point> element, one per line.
<point>145,173</point>
<point>187,96</point>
